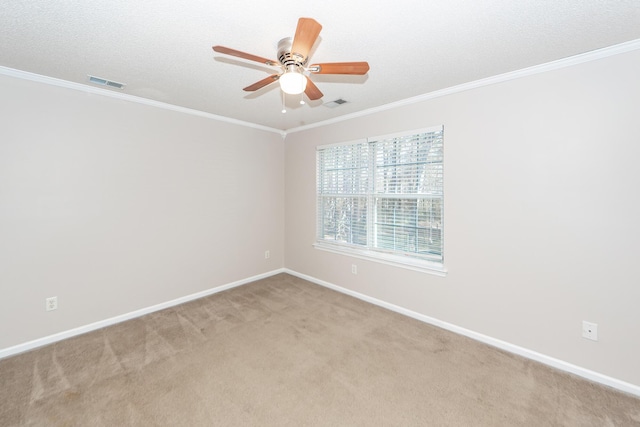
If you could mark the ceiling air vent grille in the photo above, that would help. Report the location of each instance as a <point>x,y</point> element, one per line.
<point>105,82</point>
<point>334,104</point>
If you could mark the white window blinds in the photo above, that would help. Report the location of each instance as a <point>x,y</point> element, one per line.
<point>384,195</point>
<point>343,191</point>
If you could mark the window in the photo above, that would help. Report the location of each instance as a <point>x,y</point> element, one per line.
<point>382,199</point>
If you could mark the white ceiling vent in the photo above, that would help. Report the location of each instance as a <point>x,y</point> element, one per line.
<point>105,82</point>
<point>334,104</point>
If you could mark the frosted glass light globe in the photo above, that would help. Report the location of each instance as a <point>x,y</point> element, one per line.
<point>293,82</point>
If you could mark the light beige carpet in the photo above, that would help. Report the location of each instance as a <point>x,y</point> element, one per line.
<point>285,352</point>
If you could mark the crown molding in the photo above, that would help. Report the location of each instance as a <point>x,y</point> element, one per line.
<point>25,75</point>
<point>536,69</point>
<point>500,78</point>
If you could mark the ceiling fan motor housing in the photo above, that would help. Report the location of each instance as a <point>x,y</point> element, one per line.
<point>290,60</point>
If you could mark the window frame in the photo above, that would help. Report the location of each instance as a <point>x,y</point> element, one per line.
<point>368,252</point>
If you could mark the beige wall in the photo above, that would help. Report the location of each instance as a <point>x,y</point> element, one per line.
<point>542,212</point>
<point>114,206</point>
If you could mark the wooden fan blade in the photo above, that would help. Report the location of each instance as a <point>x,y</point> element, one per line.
<point>306,34</point>
<point>262,83</point>
<point>312,91</point>
<point>250,57</point>
<point>358,68</point>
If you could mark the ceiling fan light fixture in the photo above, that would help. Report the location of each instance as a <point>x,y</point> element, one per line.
<point>293,55</point>
<point>293,82</point>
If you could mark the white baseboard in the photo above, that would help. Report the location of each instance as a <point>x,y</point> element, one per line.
<point>503,345</point>
<point>512,348</point>
<point>30,345</point>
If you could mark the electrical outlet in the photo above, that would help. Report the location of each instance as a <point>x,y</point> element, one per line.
<point>590,330</point>
<point>267,255</point>
<point>51,303</point>
<point>354,269</point>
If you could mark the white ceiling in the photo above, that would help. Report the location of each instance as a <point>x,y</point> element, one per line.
<point>161,49</point>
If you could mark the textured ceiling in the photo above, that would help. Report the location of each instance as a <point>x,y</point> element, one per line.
<point>161,49</point>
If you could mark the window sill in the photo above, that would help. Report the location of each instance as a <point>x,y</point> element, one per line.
<point>414,264</point>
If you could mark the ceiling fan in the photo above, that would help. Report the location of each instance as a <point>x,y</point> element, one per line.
<point>293,55</point>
